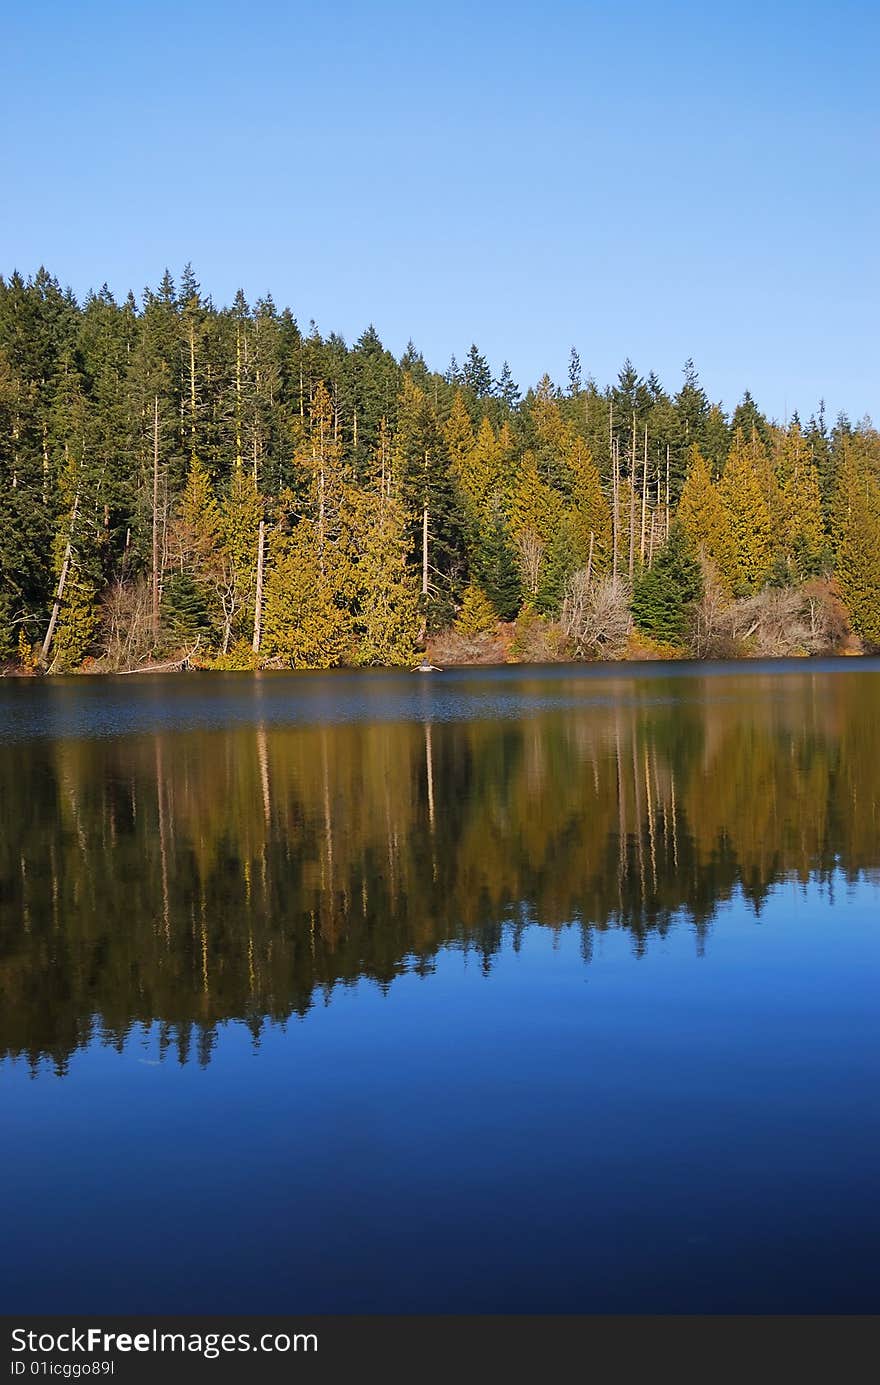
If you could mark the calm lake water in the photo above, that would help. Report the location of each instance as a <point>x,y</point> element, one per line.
<point>491,990</point>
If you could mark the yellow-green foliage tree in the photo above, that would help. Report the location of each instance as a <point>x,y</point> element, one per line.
<point>507,458</point>
<point>858,553</point>
<point>535,514</point>
<point>705,519</point>
<point>77,567</point>
<point>771,487</point>
<point>553,436</point>
<point>590,511</point>
<point>386,595</point>
<point>238,528</point>
<point>192,582</point>
<point>302,623</point>
<point>458,436</point>
<point>477,614</point>
<point>196,532</point>
<point>804,528</point>
<point>743,493</point>
<point>78,620</point>
<point>533,504</point>
<point>321,458</point>
<point>480,474</point>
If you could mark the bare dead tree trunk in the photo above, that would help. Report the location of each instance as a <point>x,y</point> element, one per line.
<point>156,519</point>
<point>227,603</point>
<point>425,535</point>
<point>62,582</point>
<point>322,504</point>
<point>238,452</point>
<point>615,516</point>
<point>590,558</point>
<point>423,634</point>
<point>258,595</point>
<point>530,550</point>
<point>613,456</point>
<point>644,497</point>
<point>632,502</point>
<point>192,389</point>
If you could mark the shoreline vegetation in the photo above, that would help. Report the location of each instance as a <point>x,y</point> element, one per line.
<point>185,486</point>
<point>533,640</point>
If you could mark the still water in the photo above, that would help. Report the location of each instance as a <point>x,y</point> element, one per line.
<point>491,990</point>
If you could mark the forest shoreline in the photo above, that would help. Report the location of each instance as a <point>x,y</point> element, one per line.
<point>636,657</point>
<point>187,483</point>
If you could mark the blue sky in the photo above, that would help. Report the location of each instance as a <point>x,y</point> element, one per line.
<point>652,180</point>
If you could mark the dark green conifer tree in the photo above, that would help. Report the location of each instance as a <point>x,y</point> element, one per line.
<point>664,592</point>
<point>477,375</point>
<point>496,566</point>
<point>574,373</point>
<point>506,388</point>
<point>748,419</point>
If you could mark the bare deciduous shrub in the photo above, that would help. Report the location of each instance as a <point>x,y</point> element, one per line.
<point>775,623</point>
<point>595,614</point>
<point>530,552</point>
<point>771,622</point>
<point>826,615</point>
<point>126,625</point>
<point>712,622</point>
<point>452,647</point>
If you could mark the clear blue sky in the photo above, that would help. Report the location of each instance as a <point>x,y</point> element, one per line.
<point>653,179</point>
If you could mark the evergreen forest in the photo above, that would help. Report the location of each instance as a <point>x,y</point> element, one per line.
<point>185,485</point>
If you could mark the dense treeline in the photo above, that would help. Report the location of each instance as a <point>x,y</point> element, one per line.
<point>177,479</point>
<point>256,868</point>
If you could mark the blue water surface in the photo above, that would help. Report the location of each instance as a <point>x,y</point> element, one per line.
<point>645,1108</point>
